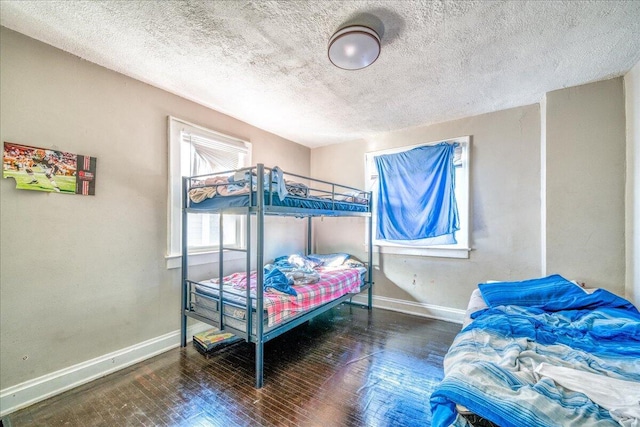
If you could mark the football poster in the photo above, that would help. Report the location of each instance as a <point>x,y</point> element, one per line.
<point>52,171</point>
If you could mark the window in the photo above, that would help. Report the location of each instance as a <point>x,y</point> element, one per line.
<point>194,150</point>
<point>427,247</point>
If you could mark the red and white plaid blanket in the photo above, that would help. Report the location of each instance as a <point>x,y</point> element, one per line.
<point>333,283</point>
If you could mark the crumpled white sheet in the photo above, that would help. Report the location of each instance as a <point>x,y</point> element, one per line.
<point>620,397</point>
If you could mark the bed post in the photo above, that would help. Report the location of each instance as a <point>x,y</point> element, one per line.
<point>220,270</point>
<point>183,283</point>
<point>370,272</point>
<point>309,223</point>
<point>259,275</point>
<point>248,266</point>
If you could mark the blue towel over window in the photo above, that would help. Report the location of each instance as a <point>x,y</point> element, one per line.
<point>416,194</point>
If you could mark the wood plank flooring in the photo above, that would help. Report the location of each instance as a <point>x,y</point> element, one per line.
<point>347,367</point>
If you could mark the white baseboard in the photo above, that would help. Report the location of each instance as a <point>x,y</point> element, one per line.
<point>415,308</point>
<point>38,389</point>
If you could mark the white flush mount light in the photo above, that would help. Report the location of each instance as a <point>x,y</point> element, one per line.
<point>354,47</point>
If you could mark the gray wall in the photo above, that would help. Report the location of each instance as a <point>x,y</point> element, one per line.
<point>85,276</point>
<point>505,208</point>
<point>585,190</point>
<point>632,199</point>
<point>579,230</point>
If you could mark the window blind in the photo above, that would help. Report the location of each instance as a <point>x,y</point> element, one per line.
<point>203,155</point>
<point>208,155</point>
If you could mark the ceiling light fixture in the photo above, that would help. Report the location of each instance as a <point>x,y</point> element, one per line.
<point>354,47</point>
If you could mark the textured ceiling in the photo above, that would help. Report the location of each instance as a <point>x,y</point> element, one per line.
<point>265,62</point>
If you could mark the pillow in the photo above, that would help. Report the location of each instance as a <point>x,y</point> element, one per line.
<point>549,293</point>
<point>329,260</point>
<point>297,261</point>
<point>302,262</point>
<point>353,262</point>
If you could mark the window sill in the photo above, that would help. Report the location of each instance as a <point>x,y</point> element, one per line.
<point>201,258</point>
<point>460,253</point>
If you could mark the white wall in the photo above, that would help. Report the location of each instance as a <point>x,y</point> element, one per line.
<point>82,277</point>
<point>632,104</point>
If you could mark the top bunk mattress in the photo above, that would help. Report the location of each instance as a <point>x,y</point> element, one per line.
<point>241,188</point>
<point>311,202</point>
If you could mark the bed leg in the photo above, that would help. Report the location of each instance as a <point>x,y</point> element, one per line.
<point>183,331</point>
<point>259,363</point>
<point>183,317</point>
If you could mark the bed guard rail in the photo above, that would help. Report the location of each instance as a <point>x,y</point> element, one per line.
<point>275,182</point>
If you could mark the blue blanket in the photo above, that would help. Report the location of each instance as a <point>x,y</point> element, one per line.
<point>489,368</point>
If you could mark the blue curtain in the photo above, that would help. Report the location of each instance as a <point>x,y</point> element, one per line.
<point>416,197</point>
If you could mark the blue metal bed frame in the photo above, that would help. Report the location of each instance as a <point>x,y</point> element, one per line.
<point>260,209</point>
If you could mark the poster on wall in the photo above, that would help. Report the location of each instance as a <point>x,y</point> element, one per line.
<point>42,169</point>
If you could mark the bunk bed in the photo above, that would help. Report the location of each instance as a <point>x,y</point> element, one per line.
<point>542,352</point>
<point>239,303</point>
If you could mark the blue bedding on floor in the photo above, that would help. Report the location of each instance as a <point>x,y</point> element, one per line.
<point>489,367</point>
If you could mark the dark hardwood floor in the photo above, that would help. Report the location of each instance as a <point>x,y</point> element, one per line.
<point>347,367</point>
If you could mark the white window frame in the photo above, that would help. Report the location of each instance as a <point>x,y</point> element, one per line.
<point>174,215</point>
<point>462,191</point>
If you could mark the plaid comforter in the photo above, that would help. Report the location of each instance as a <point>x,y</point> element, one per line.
<point>334,282</point>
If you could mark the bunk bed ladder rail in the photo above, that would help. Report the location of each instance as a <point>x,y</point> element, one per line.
<point>258,337</point>
<point>185,285</point>
<point>370,256</point>
<point>249,304</point>
<point>247,251</point>
<point>259,341</point>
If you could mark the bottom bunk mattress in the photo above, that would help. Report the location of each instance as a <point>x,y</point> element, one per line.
<point>543,352</point>
<point>279,307</point>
